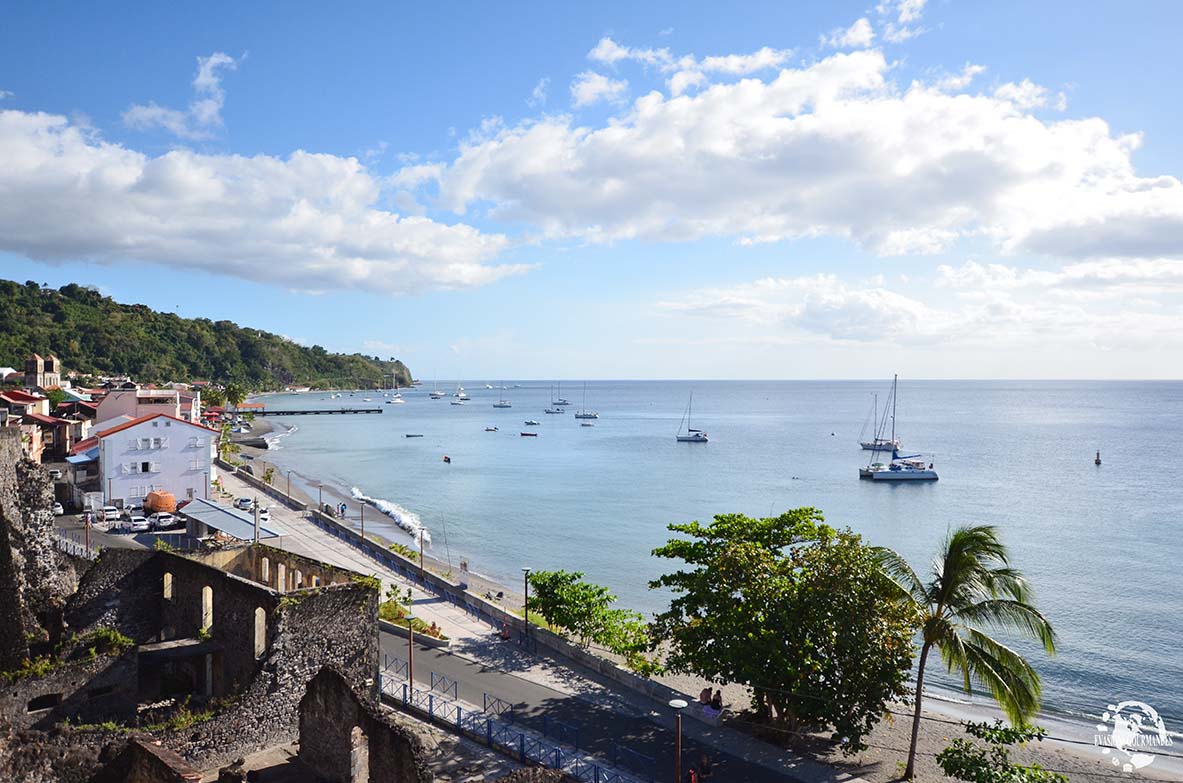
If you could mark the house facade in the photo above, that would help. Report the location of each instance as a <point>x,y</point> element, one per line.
<point>139,402</point>
<point>157,452</point>
<point>42,373</point>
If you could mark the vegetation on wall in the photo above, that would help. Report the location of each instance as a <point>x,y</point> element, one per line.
<point>96,335</point>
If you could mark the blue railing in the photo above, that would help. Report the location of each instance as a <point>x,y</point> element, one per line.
<point>444,685</point>
<point>563,732</point>
<point>496,706</point>
<point>646,766</point>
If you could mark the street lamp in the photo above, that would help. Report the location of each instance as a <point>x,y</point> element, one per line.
<point>320,497</point>
<point>289,484</point>
<point>678,705</point>
<point>526,603</point>
<point>411,650</point>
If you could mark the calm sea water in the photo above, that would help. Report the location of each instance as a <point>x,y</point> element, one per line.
<point>1101,545</point>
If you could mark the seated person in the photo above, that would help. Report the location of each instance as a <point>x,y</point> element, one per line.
<point>705,696</point>
<point>717,701</point>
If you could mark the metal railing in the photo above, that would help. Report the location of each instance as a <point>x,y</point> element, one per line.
<point>493,725</point>
<point>644,765</point>
<point>73,543</point>
<point>444,685</point>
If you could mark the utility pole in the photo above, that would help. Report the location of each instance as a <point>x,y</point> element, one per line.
<point>256,519</point>
<point>420,554</point>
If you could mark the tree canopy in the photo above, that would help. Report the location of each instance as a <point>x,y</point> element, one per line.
<point>798,611</point>
<point>93,334</point>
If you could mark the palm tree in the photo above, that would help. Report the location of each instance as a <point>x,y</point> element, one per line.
<point>234,394</point>
<point>974,589</point>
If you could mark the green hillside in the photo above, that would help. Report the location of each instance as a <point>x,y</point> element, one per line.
<point>94,334</point>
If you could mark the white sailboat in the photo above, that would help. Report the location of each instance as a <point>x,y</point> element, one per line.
<point>436,392</point>
<point>501,401</point>
<point>559,398</point>
<point>553,403</point>
<point>876,442</point>
<point>585,413</point>
<point>460,393</point>
<point>692,435</point>
<point>901,468</point>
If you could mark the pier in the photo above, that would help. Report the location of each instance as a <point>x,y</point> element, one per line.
<point>319,412</point>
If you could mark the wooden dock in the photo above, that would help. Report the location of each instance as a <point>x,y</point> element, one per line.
<point>319,412</point>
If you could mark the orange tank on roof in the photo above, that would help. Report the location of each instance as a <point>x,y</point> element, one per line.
<point>160,501</point>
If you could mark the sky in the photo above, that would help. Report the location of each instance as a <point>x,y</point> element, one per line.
<point>943,189</point>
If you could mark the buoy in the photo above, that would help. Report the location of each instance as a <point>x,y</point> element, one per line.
<point>1097,461</point>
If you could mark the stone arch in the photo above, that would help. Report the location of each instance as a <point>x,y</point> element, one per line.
<point>207,607</point>
<point>297,580</point>
<point>281,577</point>
<point>265,569</point>
<point>168,586</point>
<point>260,632</point>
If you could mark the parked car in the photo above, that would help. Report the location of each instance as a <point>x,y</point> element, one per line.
<point>162,520</point>
<point>58,510</point>
<point>110,514</point>
<point>243,504</point>
<point>55,474</point>
<point>138,524</point>
<point>264,514</point>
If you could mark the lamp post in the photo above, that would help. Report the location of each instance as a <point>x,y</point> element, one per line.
<point>320,497</point>
<point>205,475</point>
<point>678,705</point>
<point>526,603</point>
<point>420,554</point>
<point>289,484</point>
<point>410,650</point>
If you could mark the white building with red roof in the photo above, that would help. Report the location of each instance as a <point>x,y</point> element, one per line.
<point>156,452</point>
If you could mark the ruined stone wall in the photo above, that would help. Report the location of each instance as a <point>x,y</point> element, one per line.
<point>260,563</point>
<point>234,603</point>
<point>82,691</point>
<point>35,578</point>
<point>335,625</point>
<point>118,591</point>
<point>342,730</point>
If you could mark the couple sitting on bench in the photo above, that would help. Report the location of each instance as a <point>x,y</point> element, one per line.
<point>712,706</point>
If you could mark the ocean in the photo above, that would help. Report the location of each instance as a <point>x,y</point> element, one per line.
<point>1100,545</point>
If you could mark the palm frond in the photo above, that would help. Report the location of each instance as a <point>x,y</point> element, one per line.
<point>1010,615</point>
<point>898,570</point>
<point>1006,674</point>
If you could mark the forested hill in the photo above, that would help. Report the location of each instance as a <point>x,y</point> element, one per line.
<point>92,333</point>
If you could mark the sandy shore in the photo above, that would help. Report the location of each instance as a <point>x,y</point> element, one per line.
<point>884,759</point>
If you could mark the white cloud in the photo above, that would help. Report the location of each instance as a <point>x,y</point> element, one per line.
<point>832,148</point>
<point>953,83</point>
<point>590,88</point>
<point>858,36</point>
<point>5,94</point>
<point>204,113</point>
<point>897,15</point>
<point>609,52</point>
<point>307,221</point>
<point>538,95</point>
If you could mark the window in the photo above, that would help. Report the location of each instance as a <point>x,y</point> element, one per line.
<point>193,443</point>
<point>45,702</point>
<point>266,570</point>
<point>280,577</point>
<point>207,607</point>
<point>260,632</point>
<point>145,467</point>
<point>168,586</point>
<point>195,464</point>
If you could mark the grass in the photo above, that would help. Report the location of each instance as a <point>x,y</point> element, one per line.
<point>396,613</point>
<point>540,621</point>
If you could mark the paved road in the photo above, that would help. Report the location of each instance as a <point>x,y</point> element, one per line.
<point>598,726</point>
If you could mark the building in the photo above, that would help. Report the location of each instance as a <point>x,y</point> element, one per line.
<point>157,452</point>
<point>42,373</point>
<point>139,402</point>
<point>21,403</point>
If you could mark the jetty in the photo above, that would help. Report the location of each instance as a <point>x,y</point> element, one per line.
<point>319,412</point>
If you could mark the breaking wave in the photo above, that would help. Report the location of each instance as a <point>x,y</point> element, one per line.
<point>407,520</point>
<point>273,438</point>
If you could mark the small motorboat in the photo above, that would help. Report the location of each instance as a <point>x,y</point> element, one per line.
<point>459,402</point>
<point>490,429</point>
<point>412,435</point>
<point>529,434</point>
<point>586,424</point>
<point>531,423</point>
<point>447,459</point>
<point>553,410</point>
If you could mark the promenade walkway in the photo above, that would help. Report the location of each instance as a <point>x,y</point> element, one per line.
<point>544,687</point>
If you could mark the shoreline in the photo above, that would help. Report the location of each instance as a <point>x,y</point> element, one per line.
<point>943,711</point>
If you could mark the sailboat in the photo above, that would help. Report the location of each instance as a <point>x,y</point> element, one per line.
<point>460,393</point>
<point>692,435</point>
<point>559,399</point>
<point>901,468</point>
<point>436,392</point>
<point>553,403</point>
<point>501,401</point>
<point>585,413</point>
<point>877,443</point>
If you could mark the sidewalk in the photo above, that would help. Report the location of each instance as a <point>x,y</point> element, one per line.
<point>506,668</point>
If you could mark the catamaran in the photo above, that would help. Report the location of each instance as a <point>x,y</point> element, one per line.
<point>907,468</point>
<point>692,435</point>
<point>585,413</point>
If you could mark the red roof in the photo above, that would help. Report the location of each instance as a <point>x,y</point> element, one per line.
<point>19,396</point>
<point>84,445</point>
<point>149,417</point>
<point>43,419</point>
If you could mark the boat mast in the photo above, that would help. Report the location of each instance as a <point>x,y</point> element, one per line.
<point>894,385</point>
<point>875,414</point>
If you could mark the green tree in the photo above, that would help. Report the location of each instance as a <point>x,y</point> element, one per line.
<point>799,612</point>
<point>213,396</point>
<point>967,760</point>
<point>269,475</point>
<point>234,394</point>
<point>565,600</point>
<point>974,589</point>
<point>56,397</point>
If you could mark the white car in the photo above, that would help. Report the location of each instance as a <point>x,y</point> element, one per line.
<point>264,514</point>
<point>162,520</point>
<point>58,510</point>
<point>138,524</point>
<point>55,474</point>
<point>243,504</point>
<point>110,514</point>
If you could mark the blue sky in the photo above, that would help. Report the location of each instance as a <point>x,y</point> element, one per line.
<point>670,190</point>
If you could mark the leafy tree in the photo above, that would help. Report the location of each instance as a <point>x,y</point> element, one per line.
<point>56,397</point>
<point>234,394</point>
<point>269,475</point>
<point>213,396</point>
<point>565,600</point>
<point>967,760</point>
<point>799,612</point>
<point>973,589</point>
